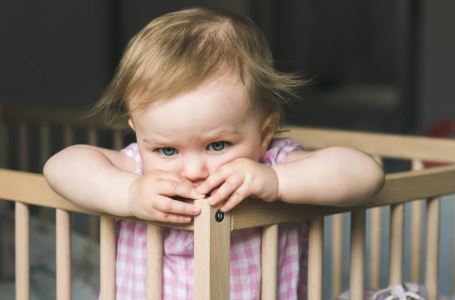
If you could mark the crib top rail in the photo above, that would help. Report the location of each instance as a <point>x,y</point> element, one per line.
<point>399,188</point>
<point>385,145</point>
<point>32,189</point>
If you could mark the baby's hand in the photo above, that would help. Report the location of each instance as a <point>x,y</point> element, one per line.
<point>150,197</point>
<point>238,180</point>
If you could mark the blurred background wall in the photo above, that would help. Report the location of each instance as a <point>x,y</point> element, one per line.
<point>372,65</point>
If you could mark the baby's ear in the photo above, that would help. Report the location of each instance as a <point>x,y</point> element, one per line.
<point>131,123</point>
<point>268,130</point>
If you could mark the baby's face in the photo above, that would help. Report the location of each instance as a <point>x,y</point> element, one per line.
<point>196,132</point>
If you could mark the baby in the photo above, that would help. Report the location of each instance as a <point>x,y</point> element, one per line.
<point>200,92</point>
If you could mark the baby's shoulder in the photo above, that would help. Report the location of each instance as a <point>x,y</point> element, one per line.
<point>280,149</point>
<point>133,155</point>
<point>286,143</point>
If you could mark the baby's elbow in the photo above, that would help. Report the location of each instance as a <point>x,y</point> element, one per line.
<point>374,182</point>
<point>52,166</point>
<point>378,180</point>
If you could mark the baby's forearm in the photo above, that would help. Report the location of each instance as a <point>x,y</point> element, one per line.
<point>333,176</point>
<point>88,178</point>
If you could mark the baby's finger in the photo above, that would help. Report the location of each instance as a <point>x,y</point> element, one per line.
<point>211,183</point>
<point>170,206</point>
<point>171,218</point>
<point>225,190</point>
<point>235,198</point>
<point>180,188</point>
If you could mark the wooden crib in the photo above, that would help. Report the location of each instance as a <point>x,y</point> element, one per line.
<point>212,235</point>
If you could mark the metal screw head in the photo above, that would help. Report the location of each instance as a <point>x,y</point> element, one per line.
<point>219,215</point>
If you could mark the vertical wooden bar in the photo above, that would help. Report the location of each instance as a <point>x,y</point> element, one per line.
<point>23,146</point>
<point>3,145</point>
<point>337,254</point>
<point>3,164</point>
<point>45,143</point>
<point>92,137</point>
<point>416,231</point>
<point>68,135</point>
<point>118,139</point>
<point>154,262</point>
<point>44,155</point>
<point>63,251</point>
<point>432,248</point>
<point>357,258</point>
<point>396,244</point>
<point>22,252</point>
<point>269,274</point>
<point>376,245</point>
<point>211,254</point>
<point>315,258</point>
<point>107,258</point>
<point>375,242</point>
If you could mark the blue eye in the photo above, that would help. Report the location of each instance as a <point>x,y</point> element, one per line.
<point>167,151</point>
<point>217,146</point>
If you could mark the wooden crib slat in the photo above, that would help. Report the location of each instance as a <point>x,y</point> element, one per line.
<point>68,135</point>
<point>92,136</point>
<point>63,252</point>
<point>118,139</point>
<point>269,262</point>
<point>357,257</point>
<point>107,258</point>
<point>3,145</point>
<point>23,146</point>
<point>93,226</point>
<point>155,249</point>
<point>337,253</point>
<point>375,241</point>
<point>396,244</point>
<point>376,245</point>
<point>22,250</point>
<point>211,254</point>
<point>432,248</point>
<point>45,144</point>
<point>416,231</point>
<point>315,258</point>
<point>386,145</point>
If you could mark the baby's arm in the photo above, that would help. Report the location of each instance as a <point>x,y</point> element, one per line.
<point>103,180</point>
<point>331,176</point>
<point>92,177</point>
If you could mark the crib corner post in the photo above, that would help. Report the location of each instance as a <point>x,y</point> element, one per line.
<point>212,231</point>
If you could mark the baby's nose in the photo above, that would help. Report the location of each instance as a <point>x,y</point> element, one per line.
<point>195,169</point>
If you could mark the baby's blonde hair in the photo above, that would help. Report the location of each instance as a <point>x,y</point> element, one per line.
<point>179,50</point>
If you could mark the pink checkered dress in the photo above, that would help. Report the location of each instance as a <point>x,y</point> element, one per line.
<point>245,252</point>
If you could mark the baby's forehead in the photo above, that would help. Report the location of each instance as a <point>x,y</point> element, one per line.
<point>219,85</point>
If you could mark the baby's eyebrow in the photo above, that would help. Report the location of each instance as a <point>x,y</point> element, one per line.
<point>156,138</point>
<point>222,133</point>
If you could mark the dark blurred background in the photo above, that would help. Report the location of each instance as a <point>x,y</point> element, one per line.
<point>382,65</point>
